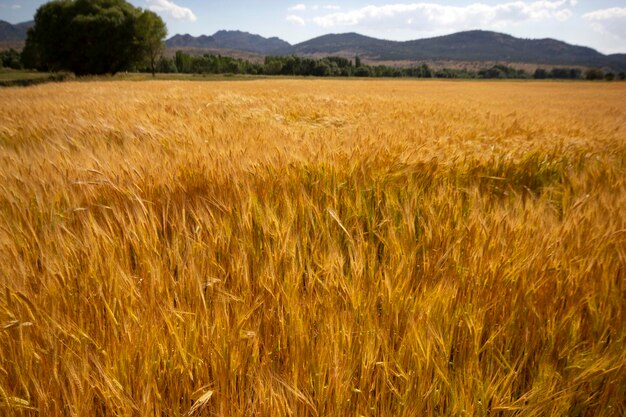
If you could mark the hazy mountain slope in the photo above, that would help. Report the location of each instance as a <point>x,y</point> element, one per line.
<point>493,46</point>
<point>17,32</point>
<point>463,46</point>
<point>344,42</point>
<point>234,40</point>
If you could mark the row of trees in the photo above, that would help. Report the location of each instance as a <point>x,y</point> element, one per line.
<point>325,67</point>
<point>342,67</point>
<point>559,74</point>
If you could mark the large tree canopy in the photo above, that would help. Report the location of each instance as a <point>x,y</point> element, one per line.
<point>93,36</point>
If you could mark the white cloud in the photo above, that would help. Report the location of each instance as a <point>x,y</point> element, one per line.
<point>16,6</point>
<point>434,16</point>
<point>610,21</point>
<point>171,9</point>
<point>303,7</point>
<point>563,15</point>
<point>607,14</point>
<point>296,19</point>
<point>297,8</point>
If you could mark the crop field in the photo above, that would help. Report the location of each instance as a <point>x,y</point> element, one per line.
<point>313,248</point>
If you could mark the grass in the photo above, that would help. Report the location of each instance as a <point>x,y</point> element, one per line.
<point>25,78</point>
<point>313,247</point>
<point>12,75</point>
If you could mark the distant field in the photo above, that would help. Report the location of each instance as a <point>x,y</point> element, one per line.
<point>313,248</point>
<point>10,75</point>
<point>10,78</point>
<point>21,78</point>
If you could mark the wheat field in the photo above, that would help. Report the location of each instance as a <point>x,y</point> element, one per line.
<point>313,248</point>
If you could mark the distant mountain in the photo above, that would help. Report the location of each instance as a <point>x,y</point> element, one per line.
<point>617,61</point>
<point>470,46</point>
<point>483,45</point>
<point>234,40</point>
<point>474,45</point>
<point>17,32</point>
<point>346,43</point>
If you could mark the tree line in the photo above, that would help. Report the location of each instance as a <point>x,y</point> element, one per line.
<point>334,66</point>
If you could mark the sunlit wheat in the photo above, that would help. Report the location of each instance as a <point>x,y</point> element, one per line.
<point>305,247</point>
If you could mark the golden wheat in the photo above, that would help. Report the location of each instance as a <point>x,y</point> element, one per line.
<point>300,247</point>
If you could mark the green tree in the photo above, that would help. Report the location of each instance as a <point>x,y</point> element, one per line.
<point>362,71</point>
<point>575,73</point>
<point>151,31</point>
<point>540,74</point>
<point>11,59</point>
<point>594,74</point>
<point>183,62</point>
<point>493,72</point>
<point>424,71</point>
<point>322,69</point>
<point>166,65</point>
<point>92,36</point>
<point>30,57</point>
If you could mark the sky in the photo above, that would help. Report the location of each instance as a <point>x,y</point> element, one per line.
<point>600,24</point>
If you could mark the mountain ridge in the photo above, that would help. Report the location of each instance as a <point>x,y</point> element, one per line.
<point>473,45</point>
<point>231,39</point>
<point>14,32</point>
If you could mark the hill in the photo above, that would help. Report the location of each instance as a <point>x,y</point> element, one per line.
<point>474,45</point>
<point>617,61</point>
<point>347,44</point>
<point>233,40</point>
<point>17,32</point>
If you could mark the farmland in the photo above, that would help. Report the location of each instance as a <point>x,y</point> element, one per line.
<point>308,247</point>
